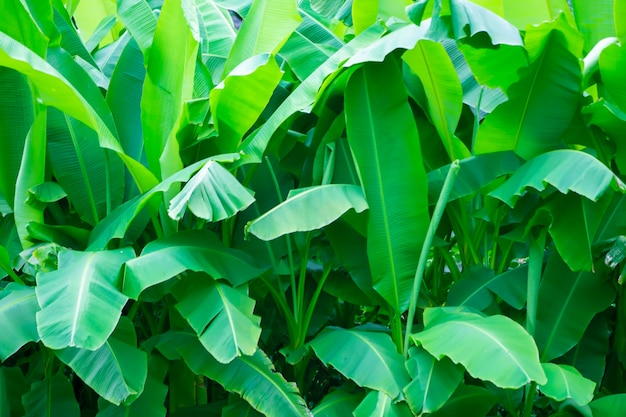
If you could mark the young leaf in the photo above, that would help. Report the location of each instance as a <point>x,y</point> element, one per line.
<point>212,194</point>
<point>369,358</point>
<point>565,382</point>
<point>384,138</point>
<point>50,398</point>
<point>197,250</point>
<point>116,370</point>
<point>18,306</point>
<point>309,209</point>
<point>222,316</point>
<point>81,302</point>
<point>495,348</point>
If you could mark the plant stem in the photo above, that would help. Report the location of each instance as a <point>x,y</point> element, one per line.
<point>535,264</point>
<point>530,399</point>
<point>311,308</point>
<point>430,235</point>
<point>304,257</point>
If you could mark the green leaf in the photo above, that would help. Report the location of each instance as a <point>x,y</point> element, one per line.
<point>266,27</point>
<point>472,289</point>
<point>619,10</point>
<point>51,397</point>
<point>393,177</point>
<point>212,194</point>
<point>369,358</point>
<point>567,303</point>
<point>196,250</point>
<point>80,302</point>
<point>502,351</point>
<point>337,403</point>
<point>609,406</point>
<point>252,377</point>
<point>565,382</point>
<point>593,178</point>
<point>520,14</point>
<point>589,355</point>
<point>434,381</point>
<point>222,316</point>
<point>468,401</point>
<point>309,209</point>
<point>18,306</point>
<point>612,63</point>
<point>378,403</point>
<point>139,20</point>
<point>542,103</point>
<point>594,20</point>
<point>430,61</point>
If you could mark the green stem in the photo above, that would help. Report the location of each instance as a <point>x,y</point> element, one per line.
<point>311,308</point>
<point>302,278</point>
<point>530,399</point>
<point>535,264</point>
<point>281,302</point>
<point>430,235</point>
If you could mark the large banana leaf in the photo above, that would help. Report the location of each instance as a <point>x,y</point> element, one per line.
<point>567,303</point>
<point>22,25</point>
<point>612,63</point>
<point>542,103</point>
<point>303,97</point>
<point>117,370</point>
<point>501,350</point>
<point>565,382</point>
<point>518,13</point>
<point>18,306</point>
<point>434,381</point>
<point>367,357</point>
<point>196,250</point>
<point>610,406</point>
<point>589,355</point>
<point>52,397</point>
<point>337,403</point>
<point>137,17</point>
<point>222,316</point>
<point>169,82</point>
<point>212,194</point>
<point>267,26</point>
<point>378,403</point>
<point>555,168</point>
<point>308,209</point>
<point>384,138</point>
<point>252,377</point>
<point>81,302</point>
<point>594,20</point>
<point>430,61</point>
<point>239,100</point>
<point>619,10</point>
<point>467,401</point>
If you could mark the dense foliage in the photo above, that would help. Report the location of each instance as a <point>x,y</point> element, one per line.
<point>322,207</point>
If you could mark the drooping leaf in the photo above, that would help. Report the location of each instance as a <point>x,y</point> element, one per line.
<point>116,370</point>
<point>444,94</point>
<point>593,178</point>
<point>609,406</point>
<point>567,303</point>
<point>51,397</point>
<point>589,355</point>
<point>384,138</point>
<point>137,17</point>
<point>308,209</point>
<point>378,403</point>
<point>252,377</point>
<point>367,357</point>
<point>502,351</point>
<point>337,403</point>
<point>468,401</point>
<point>81,302</point>
<point>222,316</point>
<point>434,381</point>
<point>404,37</point>
<point>565,382</point>
<point>542,103</point>
<point>18,306</point>
<point>212,194</point>
<point>196,250</point>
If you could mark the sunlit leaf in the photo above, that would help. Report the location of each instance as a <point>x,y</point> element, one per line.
<point>18,306</point>
<point>565,382</point>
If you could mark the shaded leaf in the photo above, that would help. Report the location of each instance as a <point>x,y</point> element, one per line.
<point>468,401</point>
<point>18,306</point>
<point>378,403</point>
<point>52,397</point>
<point>337,403</point>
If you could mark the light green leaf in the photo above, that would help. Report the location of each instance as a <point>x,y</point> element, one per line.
<point>252,377</point>
<point>222,316</point>
<point>385,142</point>
<point>22,25</point>
<point>469,19</point>
<point>619,10</point>
<point>377,403</point>
<point>502,351</point>
<point>52,397</point>
<point>518,13</point>
<point>612,63</point>
<point>554,168</point>
<point>47,192</point>
<point>369,358</point>
<point>542,103</point>
<point>18,306</point>
<point>116,370</point>
<point>337,403</point>
<point>309,209</point>
<point>430,61</point>
<point>434,381</point>
<point>467,401</point>
<point>212,194</point>
<point>80,302</point>
<point>197,250</point>
<point>567,303</point>
<point>594,20</point>
<point>565,382</point>
<point>609,406</point>
<point>139,20</point>
<point>266,27</point>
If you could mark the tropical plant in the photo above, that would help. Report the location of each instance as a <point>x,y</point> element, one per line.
<point>327,208</point>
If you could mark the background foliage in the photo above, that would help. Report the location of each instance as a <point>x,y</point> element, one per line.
<point>216,207</point>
